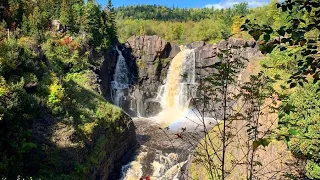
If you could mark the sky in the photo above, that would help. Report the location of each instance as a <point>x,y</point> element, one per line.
<point>188,3</point>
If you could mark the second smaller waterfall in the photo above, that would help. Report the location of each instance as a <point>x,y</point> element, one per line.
<point>120,80</point>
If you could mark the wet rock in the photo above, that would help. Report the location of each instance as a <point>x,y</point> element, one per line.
<point>106,72</point>
<point>152,56</point>
<point>148,59</point>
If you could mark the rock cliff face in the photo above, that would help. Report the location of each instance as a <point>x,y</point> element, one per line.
<point>115,149</point>
<point>61,154</point>
<point>63,150</point>
<point>148,59</point>
<point>106,72</point>
<point>152,55</point>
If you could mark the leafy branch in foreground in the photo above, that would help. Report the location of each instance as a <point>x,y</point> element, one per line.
<point>303,32</point>
<point>298,118</point>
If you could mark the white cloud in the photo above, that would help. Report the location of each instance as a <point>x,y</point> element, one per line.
<point>229,3</point>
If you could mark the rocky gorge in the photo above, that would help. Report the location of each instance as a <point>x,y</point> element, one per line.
<point>111,145</point>
<point>148,59</point>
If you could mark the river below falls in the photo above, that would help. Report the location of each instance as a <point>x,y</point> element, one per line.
<point>161,154</point>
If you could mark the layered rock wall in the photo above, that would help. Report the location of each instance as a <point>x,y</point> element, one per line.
<point>152,56</point>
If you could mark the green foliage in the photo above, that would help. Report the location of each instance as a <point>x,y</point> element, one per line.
<point>298,42</point>
<point>64,54</point>
<point>207,30</point>
<point>298,116</point>
<point>17,111</point>
<point>163,13</point>
<point>91,22</point>
<point>301,32</point>
<point>299,123</point>
<point>179,32</point>
<point>44,76</point>
<point>313,170</point>
<point>177,25</point>
<point>25,27</point>
<point>260,142</point>
<point>9,54</point>
<point>35,20</point>
<point>65,13</point>
<point>189,25</point>
<point>56,94</point>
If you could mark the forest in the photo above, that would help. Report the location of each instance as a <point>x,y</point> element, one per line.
<point>50,51</point>
<point>189,25</point>
<point>47,74</point>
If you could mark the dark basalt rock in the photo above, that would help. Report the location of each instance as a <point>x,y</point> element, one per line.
<point>59,151</point>
<point>149,58</point>
<point>152,55</point>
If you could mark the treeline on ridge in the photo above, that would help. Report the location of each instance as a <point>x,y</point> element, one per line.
<point>164,13</point>
<point>197,24</point>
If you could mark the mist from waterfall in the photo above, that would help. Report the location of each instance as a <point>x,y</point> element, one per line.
<point>120,80</point>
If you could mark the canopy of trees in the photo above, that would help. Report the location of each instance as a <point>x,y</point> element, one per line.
<point>163,13</point>
<point>188,25</point>
<point>49,50</point>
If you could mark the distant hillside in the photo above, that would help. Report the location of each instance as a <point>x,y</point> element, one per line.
<point>188,25</point>
<point>164,13</point>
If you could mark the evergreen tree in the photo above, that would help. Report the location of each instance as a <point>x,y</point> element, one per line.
<point>111,21</point>
<point>91,22</point>
<point>104,31</point>
<point>25,27</point>
<point>77,13</point>
<point>35,20</point>
<point>65,14</point>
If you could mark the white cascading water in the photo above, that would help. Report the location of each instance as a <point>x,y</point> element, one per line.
<point>165,166</point>
<point>120,80</point>
<point>180,87</point>
<point>180,78</point>
<point>174,97</point>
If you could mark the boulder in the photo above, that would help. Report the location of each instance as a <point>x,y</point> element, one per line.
<point>56,25</point>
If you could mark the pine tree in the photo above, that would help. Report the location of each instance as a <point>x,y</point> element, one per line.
<point>91,22</point>
<point>35,20</point>
<point>25,26</point>
<point>65,14</point>
<point>104,31</point>
<point>111,21</point>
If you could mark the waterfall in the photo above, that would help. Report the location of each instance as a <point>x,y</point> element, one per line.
<point>180,84</point>
<point>180,87</point>
<point>120,80</point>
<point>155,159</point>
